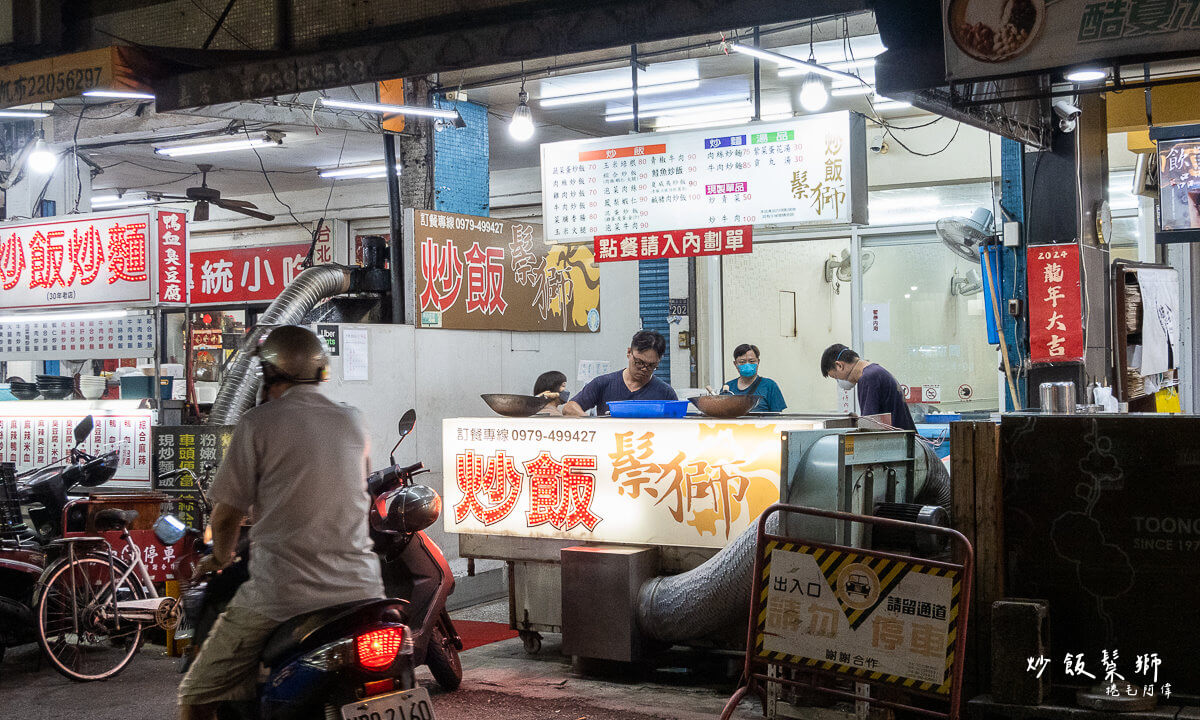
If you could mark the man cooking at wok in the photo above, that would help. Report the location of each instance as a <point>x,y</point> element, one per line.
<point>635,382</point>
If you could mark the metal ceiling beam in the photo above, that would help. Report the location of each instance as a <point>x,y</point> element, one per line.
<point>413,50</point>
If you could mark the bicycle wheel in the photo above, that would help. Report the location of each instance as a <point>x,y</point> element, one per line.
<point>74,623</point>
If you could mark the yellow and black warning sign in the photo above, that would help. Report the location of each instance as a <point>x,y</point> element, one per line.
<point>860,614</point>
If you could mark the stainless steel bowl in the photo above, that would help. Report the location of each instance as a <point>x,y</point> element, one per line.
<point>725,406</point>
<point>510,405</point>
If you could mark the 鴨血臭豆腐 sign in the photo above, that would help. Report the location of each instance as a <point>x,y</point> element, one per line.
<point>802,171</point>
<point>479,273</point>
<point>127,259</point>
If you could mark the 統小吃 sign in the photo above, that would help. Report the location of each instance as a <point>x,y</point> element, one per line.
<point>673,244</point>
<point>245,274</point>
<point>695,484</point>
<point>801,171</point>
<point>478,273</point>
<point>855,613</point>
<point>1055,303</point>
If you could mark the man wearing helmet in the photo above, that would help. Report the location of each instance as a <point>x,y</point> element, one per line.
<point>296,464</point>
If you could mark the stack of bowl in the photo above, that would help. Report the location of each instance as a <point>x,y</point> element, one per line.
<point>55,387</point>
<point>92,387</point>
<point>23,390</point>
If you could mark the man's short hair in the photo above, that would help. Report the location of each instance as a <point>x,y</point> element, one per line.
<point>834,353</point>
<point>644,340</point>
<point>550,380</point>
<point>744,348</point>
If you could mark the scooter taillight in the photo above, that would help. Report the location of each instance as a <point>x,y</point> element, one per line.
<point>377,649</point>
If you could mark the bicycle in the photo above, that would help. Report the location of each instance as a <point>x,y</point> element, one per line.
<point>92,606</point>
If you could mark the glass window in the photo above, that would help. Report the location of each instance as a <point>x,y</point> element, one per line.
<point>778,298</point>
<point>930,328</point>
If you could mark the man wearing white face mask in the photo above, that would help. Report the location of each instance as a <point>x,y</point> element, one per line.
<point>878,389</point>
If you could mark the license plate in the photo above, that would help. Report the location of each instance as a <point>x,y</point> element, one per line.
<point>407,705</point>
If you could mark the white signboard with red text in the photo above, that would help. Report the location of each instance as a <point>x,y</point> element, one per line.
<point>247,274</point>
<point>664,482</point>
<point>124,259</point>
<point>33,436</point>
<point>801,171</point>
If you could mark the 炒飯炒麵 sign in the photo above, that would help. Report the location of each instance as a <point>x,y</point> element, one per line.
<point>478,273</point>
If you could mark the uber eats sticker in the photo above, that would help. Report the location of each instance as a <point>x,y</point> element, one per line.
<point>859,614</point>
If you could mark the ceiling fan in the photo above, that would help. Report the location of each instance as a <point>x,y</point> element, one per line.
<point>204,196</point>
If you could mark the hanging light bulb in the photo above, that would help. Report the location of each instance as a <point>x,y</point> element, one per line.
<point>813,94</point>
<point>521,126</point>
<point>41,159</point>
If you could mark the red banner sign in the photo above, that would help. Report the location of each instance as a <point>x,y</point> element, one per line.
<point>1055,303</point>
<point>84,260</point>
<point>172,257</point>
<point>244,275</point>
<point>674,244</point>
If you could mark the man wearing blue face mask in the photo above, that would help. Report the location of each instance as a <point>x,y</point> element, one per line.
<point>749,382</point>
<point>878,389</point>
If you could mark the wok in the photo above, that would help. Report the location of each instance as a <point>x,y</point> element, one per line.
<point>511,405</point>
<point>725,406</point>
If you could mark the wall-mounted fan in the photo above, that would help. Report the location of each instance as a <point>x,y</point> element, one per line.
<point>841,267</point>
<point>964,236</point>
<point>204,196</point>
<point>970,284</point>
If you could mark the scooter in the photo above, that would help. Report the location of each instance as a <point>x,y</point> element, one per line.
<point>357,659</point>
<point>36,510</point>
<point>412,564</point>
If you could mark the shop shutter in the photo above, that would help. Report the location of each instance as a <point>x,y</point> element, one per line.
<point>653,290</point>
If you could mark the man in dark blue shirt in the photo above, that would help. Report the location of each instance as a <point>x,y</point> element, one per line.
<point>635,382</point>
<point>878,390</point>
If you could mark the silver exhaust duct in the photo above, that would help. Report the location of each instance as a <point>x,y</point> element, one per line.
<point>711,598</point>
<point>239,385</point>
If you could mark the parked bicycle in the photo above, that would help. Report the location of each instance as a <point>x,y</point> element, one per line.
<point>93,607</point>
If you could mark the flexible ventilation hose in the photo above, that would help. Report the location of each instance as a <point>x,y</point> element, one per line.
<point>238,384</point>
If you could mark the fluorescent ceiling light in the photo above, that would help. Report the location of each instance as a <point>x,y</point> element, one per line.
<point>790,61</point>
<point>841,65</point>
<point>643,108</point>
<point>23,114</point>
<point>94,315</point>
<point>891,105</point>
<point>692,125</point>
<point>618,93</point>
<point>681,110</point>
<point>850,91</point>
<point>1086,74</point>
<point>219,146</point>
<point>103,202</point>
<point>391,109</point>
<point>119,94</point>
<point>376,170</point>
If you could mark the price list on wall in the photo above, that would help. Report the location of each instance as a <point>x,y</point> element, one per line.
<point>93,339</point>
<point>803,171</point>
<point>32,440</point>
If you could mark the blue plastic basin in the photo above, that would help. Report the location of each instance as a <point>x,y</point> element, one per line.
<point>648,408</point>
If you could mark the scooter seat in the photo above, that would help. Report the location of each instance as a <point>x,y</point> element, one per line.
<point>113,519</point>
<point>311,630</point>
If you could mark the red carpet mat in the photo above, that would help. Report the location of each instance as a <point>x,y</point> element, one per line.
<point>475,633</point>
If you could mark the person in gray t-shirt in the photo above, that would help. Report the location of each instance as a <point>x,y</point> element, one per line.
<point>297,464</point>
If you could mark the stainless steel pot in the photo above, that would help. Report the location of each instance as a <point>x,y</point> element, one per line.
<point>1058,398</point>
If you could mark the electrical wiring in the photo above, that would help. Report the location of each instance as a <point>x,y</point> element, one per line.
<point>945,147</point>
<point>271,185</point>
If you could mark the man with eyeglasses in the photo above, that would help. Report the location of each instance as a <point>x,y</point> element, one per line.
<point>635,382</point>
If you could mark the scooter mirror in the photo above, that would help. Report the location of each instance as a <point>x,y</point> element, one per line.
<point>83,429</point>
<point>407,422</point>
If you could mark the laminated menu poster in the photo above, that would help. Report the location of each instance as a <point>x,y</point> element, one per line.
<point>800,171</point>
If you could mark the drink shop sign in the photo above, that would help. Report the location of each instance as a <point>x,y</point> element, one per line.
<point>478,273</point>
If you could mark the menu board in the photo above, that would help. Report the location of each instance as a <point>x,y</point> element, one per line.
<point>95,339</point>
<point>802,171</point>
<point>479,273</point>
<point>36,438</point>
<point>199,448</point>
